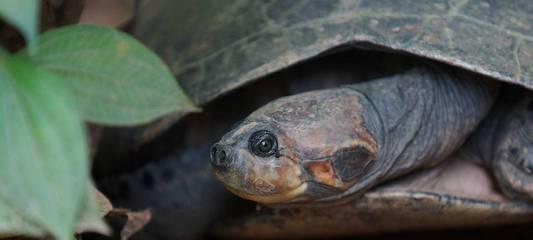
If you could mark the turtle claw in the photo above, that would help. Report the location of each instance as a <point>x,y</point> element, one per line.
<point>527,166</point>
<point>521,158</point>
<point>516,181</point>
<point>513,159</point>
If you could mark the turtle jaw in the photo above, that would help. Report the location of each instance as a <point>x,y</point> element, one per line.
<point>272,198</point>
<point>307,194</point>
<point>271,180</point>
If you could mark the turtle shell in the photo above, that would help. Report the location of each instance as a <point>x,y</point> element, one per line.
<point>215,46</point>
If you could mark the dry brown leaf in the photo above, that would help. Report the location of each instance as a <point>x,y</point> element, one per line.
<point>135,220</point>
<point>115,13</point>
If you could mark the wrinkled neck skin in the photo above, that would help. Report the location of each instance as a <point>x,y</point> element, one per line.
<point>419,118</point>
<point>482,146</point>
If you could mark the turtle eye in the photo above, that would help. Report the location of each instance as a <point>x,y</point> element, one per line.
<point>263,143</point>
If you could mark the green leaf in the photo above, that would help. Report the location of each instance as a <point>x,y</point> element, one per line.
<point>44,167</point>
<point>22,14</point>
<point>117,80</point>
<point>11,224</point>
<point>89,219</point>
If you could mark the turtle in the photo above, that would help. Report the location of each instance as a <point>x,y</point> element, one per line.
<point>330,144</point>
<point>484,47</point>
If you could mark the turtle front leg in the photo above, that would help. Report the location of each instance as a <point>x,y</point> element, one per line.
<point>504,142</point>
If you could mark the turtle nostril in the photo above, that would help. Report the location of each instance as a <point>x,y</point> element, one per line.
<point>219,157</point>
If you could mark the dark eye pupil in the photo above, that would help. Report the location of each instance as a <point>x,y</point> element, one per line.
<point>265,145</point>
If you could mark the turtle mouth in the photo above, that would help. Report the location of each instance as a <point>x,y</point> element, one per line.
<point>457,177</point>
<point>271,198</point>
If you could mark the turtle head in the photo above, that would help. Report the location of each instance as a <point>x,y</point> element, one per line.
<point>303,148</point>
